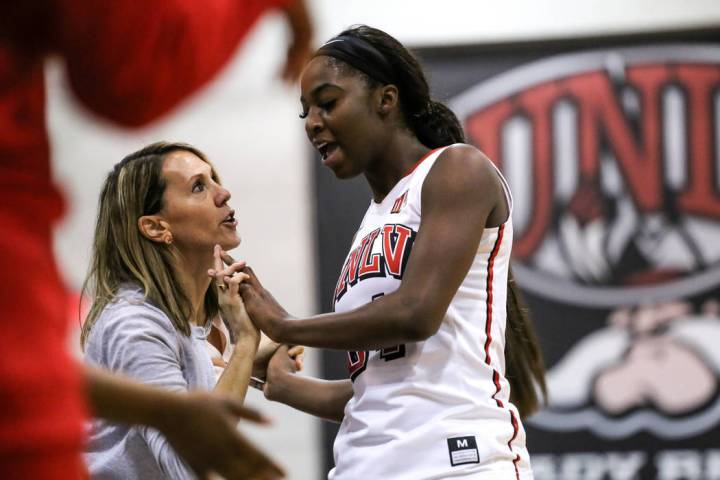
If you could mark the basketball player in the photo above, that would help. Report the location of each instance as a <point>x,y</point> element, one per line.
<point>424,302</point>
<point>129,62</point>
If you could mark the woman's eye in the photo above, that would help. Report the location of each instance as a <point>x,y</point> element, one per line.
<point>198,187</point>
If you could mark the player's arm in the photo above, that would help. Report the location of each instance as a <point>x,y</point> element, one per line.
<point>459,193</point>
<point>200,426</point>
<point>322,398</point>
<point>132,62</point>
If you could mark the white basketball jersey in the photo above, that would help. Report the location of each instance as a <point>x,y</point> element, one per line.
<point>440,408</point>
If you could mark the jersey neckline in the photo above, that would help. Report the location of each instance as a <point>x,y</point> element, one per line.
<point>407,174</point>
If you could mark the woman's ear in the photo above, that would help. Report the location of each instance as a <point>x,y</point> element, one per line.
<point>388,99</point>
<point>155,229</point>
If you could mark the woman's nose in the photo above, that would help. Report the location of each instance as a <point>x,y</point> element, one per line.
<point>222,197</point>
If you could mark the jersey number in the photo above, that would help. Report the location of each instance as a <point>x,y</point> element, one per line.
<point>357,361</point>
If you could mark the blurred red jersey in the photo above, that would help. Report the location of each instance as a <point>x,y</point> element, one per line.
<point>129,62</point>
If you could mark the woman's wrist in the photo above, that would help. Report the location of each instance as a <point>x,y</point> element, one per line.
<point>247,338</point>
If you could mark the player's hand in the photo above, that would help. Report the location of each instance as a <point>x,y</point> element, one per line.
<point>286,361</point>
<point>266,313</point>
<point>300,47</point>
<point>202,428</point>
<point>227,280</point>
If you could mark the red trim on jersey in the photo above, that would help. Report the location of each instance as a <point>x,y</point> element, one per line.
<point>417,164</point>
<point>488,340</point>
<point>496,381</point>
<point>516,429</point>
<point>489,289</point>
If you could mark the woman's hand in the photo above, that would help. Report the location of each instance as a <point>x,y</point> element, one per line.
<point>227,280</point>
<point>285,361</point>
<point>265,351</point>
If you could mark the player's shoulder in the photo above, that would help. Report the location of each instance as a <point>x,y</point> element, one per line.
<point>465,156</point>
<point>463,167</point>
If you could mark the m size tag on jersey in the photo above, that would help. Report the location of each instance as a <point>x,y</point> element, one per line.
<point>462,450</point>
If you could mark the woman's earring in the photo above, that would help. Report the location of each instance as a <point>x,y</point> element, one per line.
<point>168,239</point>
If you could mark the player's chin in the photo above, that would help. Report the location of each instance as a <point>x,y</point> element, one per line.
<point>343,171</point>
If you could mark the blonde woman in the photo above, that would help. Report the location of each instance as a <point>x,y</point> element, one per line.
<point>163,222</point>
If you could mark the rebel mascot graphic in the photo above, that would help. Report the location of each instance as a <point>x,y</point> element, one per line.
<point>613,157</point>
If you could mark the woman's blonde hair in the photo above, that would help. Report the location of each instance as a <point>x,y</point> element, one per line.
<point>121,254</point>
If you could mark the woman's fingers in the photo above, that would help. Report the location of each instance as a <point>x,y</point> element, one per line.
<point>220,273</point>
<point>297,353</point>
<point>217,265</point>
<point>296,350</point>
<point>231,271</point>
<point>234,282</point>
<point>219,362</point>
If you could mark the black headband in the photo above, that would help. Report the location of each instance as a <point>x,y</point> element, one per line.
<point>359,54</point>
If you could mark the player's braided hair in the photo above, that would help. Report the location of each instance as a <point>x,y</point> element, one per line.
<point>380,59</point>
<point>434,124</point>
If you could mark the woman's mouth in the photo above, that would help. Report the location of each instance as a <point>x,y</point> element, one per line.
<point>230,221</point>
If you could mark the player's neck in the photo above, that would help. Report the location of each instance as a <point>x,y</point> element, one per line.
<point>398,158</point>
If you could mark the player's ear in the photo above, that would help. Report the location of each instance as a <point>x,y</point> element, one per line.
<point>387,99</point>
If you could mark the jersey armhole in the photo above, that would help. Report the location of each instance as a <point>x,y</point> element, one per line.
<point>506,192</point>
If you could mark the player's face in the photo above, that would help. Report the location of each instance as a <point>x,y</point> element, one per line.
<point>341,122</point>
<point>195,205</point>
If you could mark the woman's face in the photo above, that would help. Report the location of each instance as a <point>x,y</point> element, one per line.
<point>341,122</point>
<point>195,205</point>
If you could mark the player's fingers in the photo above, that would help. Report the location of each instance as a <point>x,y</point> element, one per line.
<point>266,468</point>
<point>240,411</point>
<point>254,280</point>
<point>227,258</point>
<point>246,291</point>
<point>253,463</point>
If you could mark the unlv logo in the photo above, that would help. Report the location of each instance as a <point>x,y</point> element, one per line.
<point>614,161</point>
<point>382,252</point>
